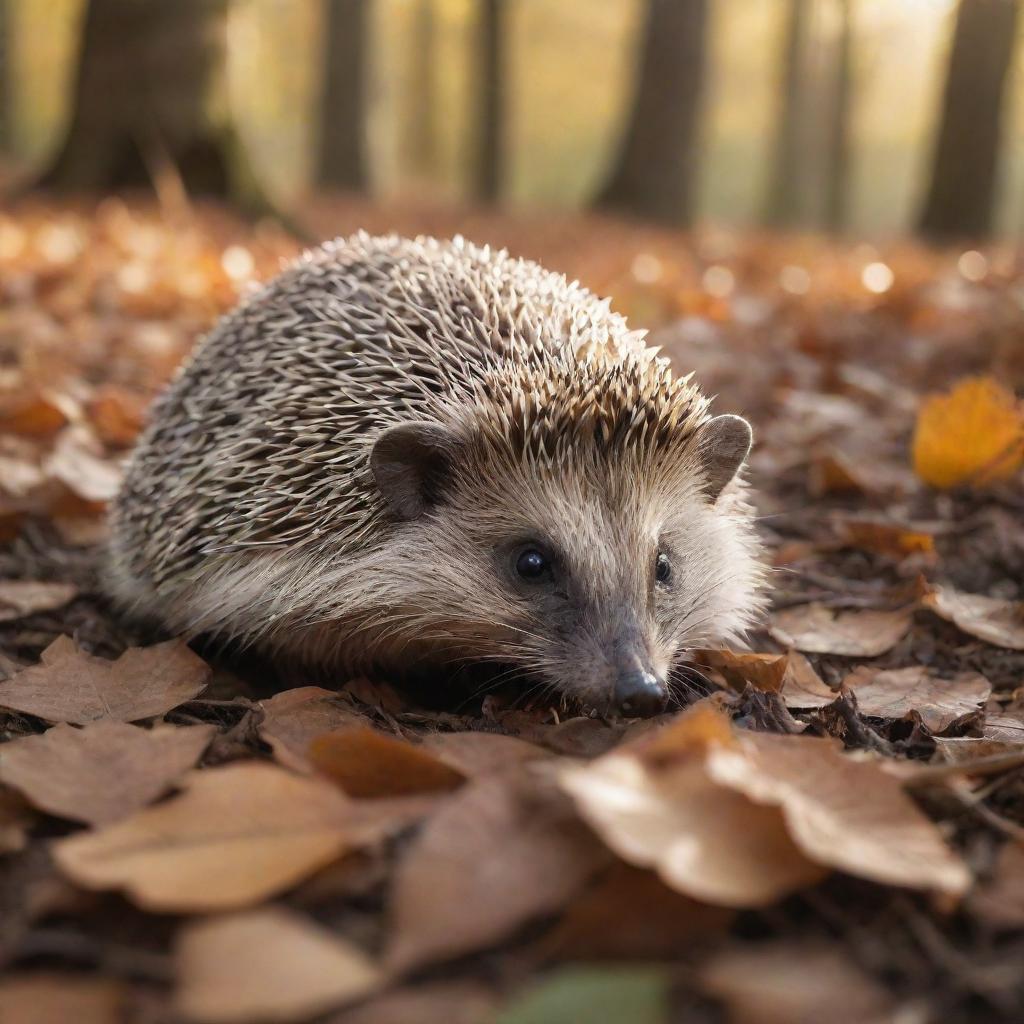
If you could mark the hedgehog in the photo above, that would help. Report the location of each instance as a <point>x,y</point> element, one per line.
<point>406,456</point>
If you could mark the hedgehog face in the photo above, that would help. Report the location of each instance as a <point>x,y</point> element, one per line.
<point>594,576</point>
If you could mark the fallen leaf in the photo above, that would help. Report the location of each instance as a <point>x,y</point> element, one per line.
<point>704,840</point>
<point>741,818</point>
<point>367,763</point>
<point>790,674</point>
<point>632,914</point>
<point>965,749</point>
<point>892,693</point>
<point>481,753</point>
<point>1000,900</point>
<point>48,997</point>
<point>992,619</point>
<point>103,771</point>
<point>236,835</point>
<point>37,415</point>
<point>504,850</point>
<point>606,995</point>
<point>19,598</point>
<point>782,983</point>
<point>266,965</point>
<point>438,1002</point>
<point>887,539</point>
<point>294,718</point>
<point>1006,727</point>
<point>15,818</point>
<point>973,435</point>
<point>69,685</point>
<point>76,463</point>
<point>117,415</point>
<point>817,629</point>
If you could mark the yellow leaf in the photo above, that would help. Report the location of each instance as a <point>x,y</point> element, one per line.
<point>973,435</point>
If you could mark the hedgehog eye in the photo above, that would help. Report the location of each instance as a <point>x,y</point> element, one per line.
<point>662,568</point>
<point>532,565</point>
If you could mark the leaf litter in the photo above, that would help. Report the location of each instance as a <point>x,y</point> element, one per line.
<point>834,834</point>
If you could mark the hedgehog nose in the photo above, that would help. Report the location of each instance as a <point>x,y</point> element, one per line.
<point>640,694</point>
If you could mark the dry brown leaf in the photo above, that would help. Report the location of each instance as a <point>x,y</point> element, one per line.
<point>503,850</point>
<point>294,718</point>
<point>367,763</point>
<point>1000,901</point>
<point>704,840</point>
<point>631,914</point>
<point>786,984</point>
<point>992,619</point>
<point>37,415</point>
<point>1006,727</point>
<point>438,1002</point>
<point>103,771</point>
<point>817,629</point>
<point>887,539</point>
<point>47,997</point>
<point>965,749</point>
<point>15,818</point>
<point>973,435</point>
<point>69,685</point>
<point>740,818</point>
<point>481,753</point>
<point>117,415</point>
<point>892,693</point>
<point>22,597</point>
<point>236,835</point>
<point>790,674</point>
<point>76,463</point>
<point>266,965</point>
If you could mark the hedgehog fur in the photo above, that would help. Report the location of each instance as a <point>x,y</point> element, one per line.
<point>347,473</point>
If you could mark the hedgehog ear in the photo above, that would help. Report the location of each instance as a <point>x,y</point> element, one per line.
<point>409,462</point>
<point>723,444</point>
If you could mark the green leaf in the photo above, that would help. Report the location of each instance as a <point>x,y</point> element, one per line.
<point>597,995</point>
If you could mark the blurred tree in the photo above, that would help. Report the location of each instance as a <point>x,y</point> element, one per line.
<point>654,173</point>
<point>150,103</point>
<point>962,192</point>
<point>423,132</point>
<point>837,158</point>
<point>491,118</point>
<point>342,158</point>
<point>785,182</point>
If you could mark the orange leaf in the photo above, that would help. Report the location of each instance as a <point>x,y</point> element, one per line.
<point>973,435</point>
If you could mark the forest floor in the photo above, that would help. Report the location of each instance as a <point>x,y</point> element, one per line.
<point>834,830</point>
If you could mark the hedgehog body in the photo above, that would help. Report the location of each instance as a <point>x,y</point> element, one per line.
<point>404,454</point>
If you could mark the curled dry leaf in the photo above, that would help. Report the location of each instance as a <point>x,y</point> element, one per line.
<point>46,997</point>
<point>780,984</point>
<point>742,818</point>
<point>294,718</point>
<point>973,435</point>
<point>236,835</point>
<point>266,965</point>
<point>19,598</point>
<point>817,629</point>
<point>892,693</point>
<point>991,619</point>
<point>790,674</point>
<point>502,851</point>
<point>103,771</point>
<point>366,763</point>
<point>69,685</point>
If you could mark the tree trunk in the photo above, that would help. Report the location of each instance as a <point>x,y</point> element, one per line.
<point>342,159</point>
<point>782,201</point>
<point>491,121</point>
<point>6,82</point>
<point>150,77</point>
<point>962,193</point>
<point>837,161</point>
<point>422,133</point>
<point>654,175</point>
